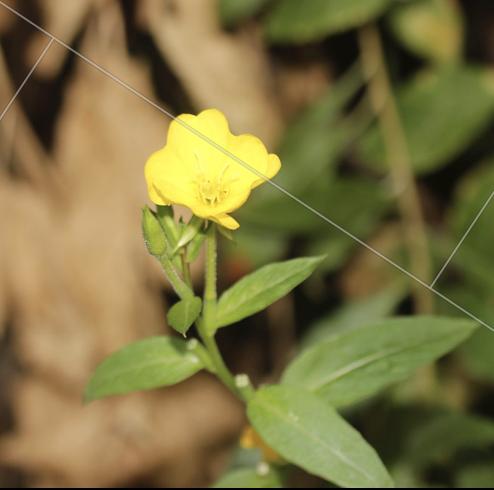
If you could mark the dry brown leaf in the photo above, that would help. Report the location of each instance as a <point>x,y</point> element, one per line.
<point>63,20</point>
<point>229,72</point>
<point>82,285</point>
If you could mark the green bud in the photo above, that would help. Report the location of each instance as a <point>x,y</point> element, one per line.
<point>154,235</point>
<point>167,222</point>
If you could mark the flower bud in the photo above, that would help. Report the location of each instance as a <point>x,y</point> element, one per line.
<point>154,235</point>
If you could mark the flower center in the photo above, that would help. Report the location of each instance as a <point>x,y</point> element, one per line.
<point>212,191</point>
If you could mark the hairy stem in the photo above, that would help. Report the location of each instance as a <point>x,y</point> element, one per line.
<point>180,287</point>
<point>206,324</point>
<point>398,158</point>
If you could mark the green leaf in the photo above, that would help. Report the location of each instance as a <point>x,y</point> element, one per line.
<point>429,28</point>
<point>307,432</point>
<point>316,139</point>
<point>350,367</point>
<point>360,214</point>
<point>354,315</point>
<point>476,353</point>
<point>475,475</point>
<point>249,478</point>
<point>194,247</point>
<point>438,439</point>
<point>189,232</point>
<point>143,365</point>
<point>430,107</point>
<point>232,12</point>
<point>263,287</point>
<point>183,314</point>
<point>299,22</point>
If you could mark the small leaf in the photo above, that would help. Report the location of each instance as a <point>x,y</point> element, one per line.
<point>296,21</point>
<point>249,478</point>
<point>429,28</point>
<point>194,247</point>
<point>307,432</point>
<point>183,314</point>
<point>189,232</point>
<point>350,367</point>
<point>143,365</point>
<point>263,287</point>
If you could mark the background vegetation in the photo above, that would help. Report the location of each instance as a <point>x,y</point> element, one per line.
<point>382,112</point>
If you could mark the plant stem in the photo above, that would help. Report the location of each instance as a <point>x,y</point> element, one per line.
<point>398,158</point>
<point>185,267</point>
<point>180,287</point>
<point>206,324</point>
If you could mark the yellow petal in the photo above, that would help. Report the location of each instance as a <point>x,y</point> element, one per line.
<point>152,170</point>
<point>226,221</point>
<point>253,153</point>
<point>169,180</point>
<point>272,168</point>
<point>191,136</point>
<point>274,165</point>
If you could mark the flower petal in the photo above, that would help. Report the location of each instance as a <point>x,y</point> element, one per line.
<point>226,221</point>
<point>151,171</point>
<point>188,136</point>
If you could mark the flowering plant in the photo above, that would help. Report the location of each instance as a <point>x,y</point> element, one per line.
<point>295,422</point>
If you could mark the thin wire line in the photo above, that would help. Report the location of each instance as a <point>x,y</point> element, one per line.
<point>28,76</point>
<point>245,165</point>
<point>469,229</point>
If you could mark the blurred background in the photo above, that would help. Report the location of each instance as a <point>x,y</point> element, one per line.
<point>382,112</point>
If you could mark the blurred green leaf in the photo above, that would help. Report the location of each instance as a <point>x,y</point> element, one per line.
<point>432,29</point>
<point>263,287</point>
<point>359,214</point>
<point>442,111</point>
<point>440,437</point>
<point>476,352</point>
<point>476,475</point>
<point>183,314</point>
<point>315,140</point>
<point>307,432</point>
<point>300,22</point>
<point>233,12</point>
<point>249,478</point>
<point>354,315</point>
<point>471,195</point>
<point>257,246</point>
<point>147,364</point>
<point>353,366</point>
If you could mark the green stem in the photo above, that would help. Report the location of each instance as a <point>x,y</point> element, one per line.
<point>206,324</point>
<point>185,267</point>
<point>399,162</point>
<point>182,290</point>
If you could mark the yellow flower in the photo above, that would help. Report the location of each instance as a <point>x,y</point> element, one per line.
<point>250,439</point>
<point>190,171</point>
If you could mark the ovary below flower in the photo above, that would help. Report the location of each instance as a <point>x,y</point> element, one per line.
<point>192,172</point>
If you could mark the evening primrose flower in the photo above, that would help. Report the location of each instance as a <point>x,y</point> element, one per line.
<point>192,172</point>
